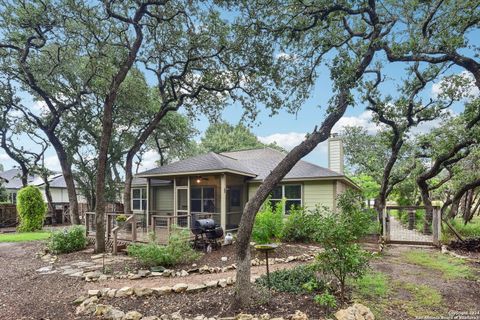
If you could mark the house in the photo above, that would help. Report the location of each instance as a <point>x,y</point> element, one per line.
<point>219,185</point>
<point>58,187</point>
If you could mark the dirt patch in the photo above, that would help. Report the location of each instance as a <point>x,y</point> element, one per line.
<point>216,302</point>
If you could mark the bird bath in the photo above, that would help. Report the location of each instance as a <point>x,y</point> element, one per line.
<point>267,248</point>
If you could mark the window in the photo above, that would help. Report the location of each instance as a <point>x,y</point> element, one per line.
<point>202,199</point>
<point>139,199</point>
<point>292,194</point>
<point>13,197</point>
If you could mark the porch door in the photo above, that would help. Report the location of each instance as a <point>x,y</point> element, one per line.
<point>182,207</point>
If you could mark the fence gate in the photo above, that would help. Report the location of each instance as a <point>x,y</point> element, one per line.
<point>410,225</point>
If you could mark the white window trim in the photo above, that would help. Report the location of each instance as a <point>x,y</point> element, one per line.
<point>287,199</point>
<point>143,196</point>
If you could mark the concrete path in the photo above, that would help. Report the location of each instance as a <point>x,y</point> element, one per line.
<point>400,233</point>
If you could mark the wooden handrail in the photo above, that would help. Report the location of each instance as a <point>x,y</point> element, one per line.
<point>131,219</point>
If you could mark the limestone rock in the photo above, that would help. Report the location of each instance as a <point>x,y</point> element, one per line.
<point>124,292</point>
<point>356,312</point>
<point>230,281</point>
<point>102,309</point>
<point>140,292</point>
<point>224,259</point>
<point>111,293</point>
<point>299,315</point>
<point>176,316</point>
<point>183,273</point>
<point>151,318</point>
<point>80,299</point>
<point>143,273</point>
<point>162,290</point>
<point>195,287</point>
<point>88,306</point>
<point>180,287</point>
<point>95,293</point>
<point>244,316</point>
<point>133,315</point>
<point>114,314</point>
<point>222,283</point>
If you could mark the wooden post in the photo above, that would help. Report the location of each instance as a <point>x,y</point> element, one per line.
<point>384,224</point>
<point>147,213</point>
<point>87,223</point>
<point>411,219</point>
<point>223,201</point>
<point>114,243</point>
<point>436,226</point>
<point>134,228</point>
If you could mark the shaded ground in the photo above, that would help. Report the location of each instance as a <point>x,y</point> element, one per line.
<point>25,294</point>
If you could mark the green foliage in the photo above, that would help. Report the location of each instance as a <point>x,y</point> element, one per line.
<point>470,229</point>
<point>372,285</point>
<point>24,236</point>
<point>31,209</point>
<point>68,240</point>
<point>326,300</point>
<point>177,251</point>
<point>3,192</point>
<point>337,233</point>
<point>301,225</point>
<point>268,226</point>
<point>223,137</point>
<point>450,267</point>
<point>121,218</point>
<point>300,279</point>
<point>369,186</point>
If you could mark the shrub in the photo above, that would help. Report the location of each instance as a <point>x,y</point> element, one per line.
<point>268,224</point>
<point>178,250</point>
<point>31,209</point>
<point>68,240</point>
<point>121,218</point>
<point>470,230</point>
<point>326,300</point>
<point>337,233</point>
<point>301,279</point>
<point>301,225</point>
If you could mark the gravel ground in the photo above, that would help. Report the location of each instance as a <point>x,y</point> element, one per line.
<point>25,294</point>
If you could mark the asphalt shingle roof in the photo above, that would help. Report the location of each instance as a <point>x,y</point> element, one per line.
<point>12,178</point>
<point>263,161</point>
<point>203,163</point>
<point>255,162</point>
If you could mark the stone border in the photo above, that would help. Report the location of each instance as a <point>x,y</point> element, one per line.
<point>93,276</point>
<point>90,306</point>
<point>456,255</point>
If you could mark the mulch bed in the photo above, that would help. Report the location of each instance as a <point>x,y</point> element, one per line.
<point>217,302</point>
<point>469,247</point>
<point>214,258</point>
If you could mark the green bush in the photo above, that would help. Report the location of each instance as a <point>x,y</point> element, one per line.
<point>268,226</point>
<point>337,233</point>
<point>301,225</point>
<point>68,240</point>
<point>326,300</point>
<point>31,209</point>
<point>301,279</point>
<point>469,230</point>
<point>178,250</point>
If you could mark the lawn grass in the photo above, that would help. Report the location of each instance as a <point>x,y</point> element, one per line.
<point>24,236</point>
<point>450,267</point>
<point>425,300</point>
<point>371,285</point>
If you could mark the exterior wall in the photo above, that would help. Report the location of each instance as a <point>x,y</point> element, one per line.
<point>318,193</point>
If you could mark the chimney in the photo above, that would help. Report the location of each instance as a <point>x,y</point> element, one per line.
<point>335,153</point>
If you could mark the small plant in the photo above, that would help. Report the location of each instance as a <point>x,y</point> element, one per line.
<point>31,209</point>
<point>68,240</point>
<point>293,280</point>
<point>178,250</point>
<point>326,300</point>
<point>337,233</point>
<point>268,226</point>
<point>121,218</point>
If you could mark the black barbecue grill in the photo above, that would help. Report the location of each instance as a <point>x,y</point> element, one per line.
<point>207,233</point>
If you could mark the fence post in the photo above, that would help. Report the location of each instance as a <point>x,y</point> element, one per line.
<point>86,224</point>
<point>134,228</point>
<point>114,244</point>
<point>384,224</point>
<point>436,226</point>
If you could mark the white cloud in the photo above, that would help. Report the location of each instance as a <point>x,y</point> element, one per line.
<point>364,120</point>
<point>4,157</point>
<point>285,140</point>
<point>149,160</point>
<point>469,89</point>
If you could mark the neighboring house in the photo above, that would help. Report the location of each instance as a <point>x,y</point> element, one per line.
<point>221,184</point>
<point>58,188</point>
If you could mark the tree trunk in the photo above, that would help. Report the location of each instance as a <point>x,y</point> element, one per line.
<point>422,184</point>
<point>48,195</point>
<point>67,175</point>
<point>243,286</point>
<point>127,207</point>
